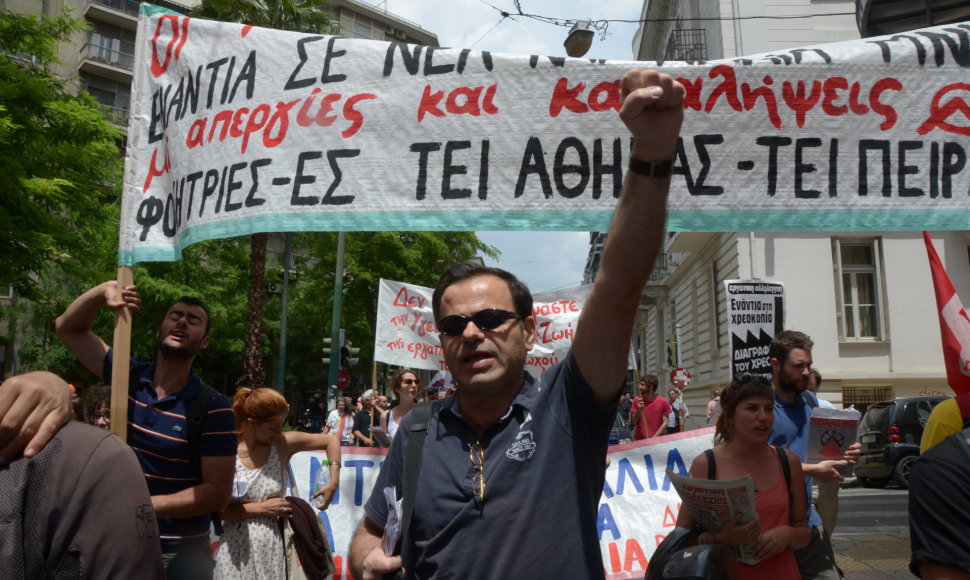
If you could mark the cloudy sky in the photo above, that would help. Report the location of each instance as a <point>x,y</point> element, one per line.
<point>543,260</point>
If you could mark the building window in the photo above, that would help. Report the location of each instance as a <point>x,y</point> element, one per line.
<point>688,44</point>
<point>862,397</point>
<point>858,282</point>
<point>363,26</point>
<point>719,306</point>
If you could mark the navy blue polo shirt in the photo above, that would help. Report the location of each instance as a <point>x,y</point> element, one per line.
<point>790,432</point>
<point>544,466</point>
<point>157,434</point>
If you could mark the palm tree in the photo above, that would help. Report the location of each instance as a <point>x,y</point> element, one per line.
<point>296,15</point>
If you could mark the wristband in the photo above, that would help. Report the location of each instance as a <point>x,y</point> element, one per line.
<point>655,169</point>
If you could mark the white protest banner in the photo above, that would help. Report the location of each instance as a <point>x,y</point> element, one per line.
<point>638,507</point>
<point>407,336</point>
<point>756,313</point>
<point>236,129</point>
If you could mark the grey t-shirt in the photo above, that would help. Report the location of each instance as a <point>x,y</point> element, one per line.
<point>83,510</point>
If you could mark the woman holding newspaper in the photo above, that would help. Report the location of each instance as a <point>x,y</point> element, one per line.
<point>764,543</point>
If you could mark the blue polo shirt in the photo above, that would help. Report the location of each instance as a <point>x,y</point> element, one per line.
<point>544,465</point>
<point>790,432</point>
<point>157,435</point>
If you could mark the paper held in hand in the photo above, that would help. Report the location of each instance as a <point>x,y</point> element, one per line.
<point>831,432</point>
<point>713,504</point>
<point>380,436</point>
<point>392,530</point>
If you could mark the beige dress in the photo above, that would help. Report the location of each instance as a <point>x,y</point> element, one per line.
<point>253,547</point>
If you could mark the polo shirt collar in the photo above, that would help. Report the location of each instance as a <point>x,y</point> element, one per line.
<point>190,390</point>
<point>524,399</point>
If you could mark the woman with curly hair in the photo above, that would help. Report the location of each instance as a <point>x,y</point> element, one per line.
<point>252,544</point>
<point>741,448</point>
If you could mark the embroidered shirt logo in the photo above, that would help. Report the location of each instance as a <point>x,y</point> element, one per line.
<point>523,448</point>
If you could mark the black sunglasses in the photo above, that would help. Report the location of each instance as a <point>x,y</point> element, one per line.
<point>488,319</point>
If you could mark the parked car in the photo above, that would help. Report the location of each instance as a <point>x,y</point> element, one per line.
<point>890,433</point>
<point>621,431</point>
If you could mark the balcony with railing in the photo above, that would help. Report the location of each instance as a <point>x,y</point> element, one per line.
<point>116,116</point>
<point>103,58</point>
<point>123,13</point>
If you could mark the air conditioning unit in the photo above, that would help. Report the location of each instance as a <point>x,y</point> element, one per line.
<point>273,288</point>
<point>399,34</point>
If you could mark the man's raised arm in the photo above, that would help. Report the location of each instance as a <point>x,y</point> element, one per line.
<point>74,325</point>
<point>653,110</point>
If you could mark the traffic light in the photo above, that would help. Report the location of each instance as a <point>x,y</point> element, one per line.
<point>349,356</point>
<point>328,354</point>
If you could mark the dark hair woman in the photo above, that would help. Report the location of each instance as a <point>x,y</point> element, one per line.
<point>741,448</point>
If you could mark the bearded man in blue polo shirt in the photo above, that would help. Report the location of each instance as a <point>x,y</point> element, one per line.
<point>185,484</point>
<point>512,470</point>
<point>790,355</point>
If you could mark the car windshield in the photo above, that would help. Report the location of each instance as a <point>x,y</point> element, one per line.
<point>876,418</point>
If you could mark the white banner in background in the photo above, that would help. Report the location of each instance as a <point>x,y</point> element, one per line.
<point>407,336</point>
<point>236,130</point>
<point>638,507</point>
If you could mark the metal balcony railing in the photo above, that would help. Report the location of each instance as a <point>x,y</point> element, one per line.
<point>116,116</point>
<point>108,56</point>
<point>126,6</point>
<point>689,44</point>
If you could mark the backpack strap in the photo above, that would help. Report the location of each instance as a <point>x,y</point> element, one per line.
<point>963,401</point>
<point>711,464</point>
<point>196,411</point>
<point>420,420</point>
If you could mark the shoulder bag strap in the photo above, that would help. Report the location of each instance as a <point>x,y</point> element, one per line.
<point>785,468</point>
<point>420,418</point>
<point>711,464</point>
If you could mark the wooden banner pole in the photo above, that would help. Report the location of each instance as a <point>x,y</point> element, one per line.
<point>121,360</point>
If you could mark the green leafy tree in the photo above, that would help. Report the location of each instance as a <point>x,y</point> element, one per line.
<point>60,176</point>
<point>296,15</point>
<point>413,257</point>
<point>59,163</point>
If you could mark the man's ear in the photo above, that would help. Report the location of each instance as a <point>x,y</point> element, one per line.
<point>529,327</point>
<point>775,365</point>
<point>205,343</point>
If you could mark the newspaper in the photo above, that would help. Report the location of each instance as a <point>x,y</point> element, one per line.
<point>713,504</point>
<point>831,432</point>
<point>378,434</point>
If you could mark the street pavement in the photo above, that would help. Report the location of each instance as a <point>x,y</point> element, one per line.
<point>871,539</point>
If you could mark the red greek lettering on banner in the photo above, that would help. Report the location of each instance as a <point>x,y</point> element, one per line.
<point>179,36</point>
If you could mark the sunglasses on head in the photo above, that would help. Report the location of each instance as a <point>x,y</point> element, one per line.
<point>488,319</point>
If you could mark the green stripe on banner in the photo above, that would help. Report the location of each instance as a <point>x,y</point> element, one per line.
<point>147,9</point>
<point>677,221</point>
<point>817,220</point>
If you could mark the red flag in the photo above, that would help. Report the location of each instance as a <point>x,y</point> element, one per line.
<point>954,324</point>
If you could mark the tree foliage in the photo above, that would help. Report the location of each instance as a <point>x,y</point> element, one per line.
<point>297,15</point>
<point>413,257</point>
<point>59,163</point>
